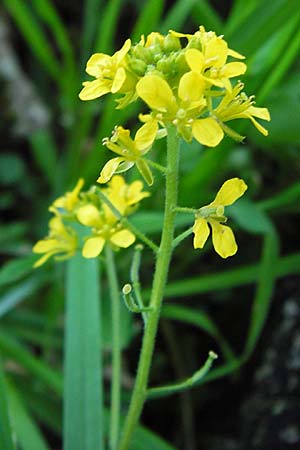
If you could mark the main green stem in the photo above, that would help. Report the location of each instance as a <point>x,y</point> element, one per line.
<point>116,348</point>
<point>159,281</point>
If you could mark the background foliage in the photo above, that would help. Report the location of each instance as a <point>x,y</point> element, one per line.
<point>49,138</point>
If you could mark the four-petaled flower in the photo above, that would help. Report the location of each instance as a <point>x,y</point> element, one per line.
<point>131,152</point>
<point>109,72</point>
<point>213,215</point>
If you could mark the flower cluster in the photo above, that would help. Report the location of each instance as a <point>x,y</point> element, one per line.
<point>82,221</point>
<point>185,80</point>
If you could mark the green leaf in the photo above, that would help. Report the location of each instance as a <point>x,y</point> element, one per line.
<point>34,35</point>
<point>6,438</point>
<point>263,295</point>
<point>19,293</point>
<point>249,217</point>
<point>16,269</point>
<point>13,349</point>
<point>228,278</point>
<point>144,439</point>
<point>45,153</point>
<point>28,434</point>
<point>83,415</point>
<point>177,14</point>
<point>199,319</point>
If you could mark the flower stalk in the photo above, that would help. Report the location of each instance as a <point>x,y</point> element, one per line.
<point>160,277</point>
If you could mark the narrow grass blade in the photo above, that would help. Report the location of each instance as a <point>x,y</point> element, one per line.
<point>107,26</point>
<point>263,296</point>
<point>45,153</point>
<point>34,35</point>
<point>6,437</point>
<point>199,319</point>
<point>230,278</point>
<point>148,19</point>
<point>48,14</point>
<point>83,420</point>
<point>29,437</point>
<point>205,14</point>
<point>91,15</point>
<point>177,15</point>
<point>13,349</point>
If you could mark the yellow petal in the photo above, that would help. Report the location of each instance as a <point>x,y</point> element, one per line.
<point>43,259</point>
<point>261,113</point>
<point>201,231</point>
<point>123,238</point>
<point>155,92</point>
<point>109,169</point>
<point>223,239</point>
<point>146,135</point>
<point>93,66</point>
<point>216,52</point>
<point>230,191</point>
<point>89,215</point>
<point>233,69</point>
<point>45,245</point>
<point>191,87</point>
<point>235,54</point>
<point>119,55</point>
<point>194,59</point>
<point>93,247</point>
<point>258,126</point>
<point>207,132</point>
<point>118,81</point>
<point>94,89</point>
<point>135,193</point>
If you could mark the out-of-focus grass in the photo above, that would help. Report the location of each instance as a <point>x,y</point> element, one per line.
<point>53,44</point>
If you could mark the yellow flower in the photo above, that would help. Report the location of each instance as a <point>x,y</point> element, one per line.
<point>131,152</point>
<point>70,199</point>
<point>183,112</point>
<point>110,73</point>
<point>236,105</point>
<point>123,196</point>
<point>105,228</point>
<point>61,241</point>
<point>213,215</point>
<point>211,64</point>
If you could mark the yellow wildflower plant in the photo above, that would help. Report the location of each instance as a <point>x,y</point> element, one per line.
<point>106,227</point>
<point>61,242</point>
<point>131,152</point>
<point>213,215</point>
<point>70,199</point>
<point>110,73</point>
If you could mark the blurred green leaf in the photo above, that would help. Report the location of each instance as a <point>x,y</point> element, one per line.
<point>34,35</point>
<point>16,269</point>
<point>6,437</point>
<point>12,169</point>
<point>148,19</point>
<point>28,434</point>
<point>249,217</point>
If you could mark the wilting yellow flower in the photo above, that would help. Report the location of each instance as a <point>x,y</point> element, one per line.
<point>105,228</point>
<point>110,74</point>
<point>131,152</point>
<point>213,215</point>
<point>70,199</point>
<point>61,241</point>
